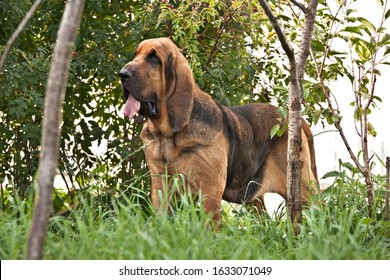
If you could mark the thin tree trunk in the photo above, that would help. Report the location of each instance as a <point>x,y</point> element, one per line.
<point>294,164</point>
<point>297,71</point>
<point>51,132</point>
<point>364,139</point>
<point>295,111</point>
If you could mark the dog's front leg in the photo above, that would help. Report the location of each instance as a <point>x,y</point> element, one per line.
<point>212,199</point>
<point>158,197</point>
<point>212,206</point>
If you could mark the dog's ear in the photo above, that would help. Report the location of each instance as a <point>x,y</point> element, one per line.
<point>180,86</point>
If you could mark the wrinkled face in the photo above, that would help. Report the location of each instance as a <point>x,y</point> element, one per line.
<point>144,80</point>
<point>159,84</point>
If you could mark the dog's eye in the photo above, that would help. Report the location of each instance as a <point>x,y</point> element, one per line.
<point>153,57</point>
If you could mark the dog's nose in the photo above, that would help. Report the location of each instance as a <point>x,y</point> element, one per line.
<point>125,74</point>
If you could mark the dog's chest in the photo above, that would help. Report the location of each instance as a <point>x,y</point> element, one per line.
<point>165,149</point>
<point>158,148</point>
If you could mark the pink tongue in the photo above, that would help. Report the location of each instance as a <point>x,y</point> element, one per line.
<point>131,107</point>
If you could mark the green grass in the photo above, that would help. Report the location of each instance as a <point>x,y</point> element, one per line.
<point>123,228</point>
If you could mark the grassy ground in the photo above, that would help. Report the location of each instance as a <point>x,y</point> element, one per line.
<point>122,228</point>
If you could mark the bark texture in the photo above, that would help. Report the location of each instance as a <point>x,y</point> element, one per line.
<point>51,131</point>
<point>297,71</point>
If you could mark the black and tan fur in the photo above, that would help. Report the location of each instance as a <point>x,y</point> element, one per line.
<point>223,152</point>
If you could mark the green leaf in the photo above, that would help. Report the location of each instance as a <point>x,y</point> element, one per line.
<point>385,40</point>
<point>350,11</point>
<point>353,29</point>
<point>377,98</point>
<point>358,113</point>
<point>362,50</point>
<point>317,46</point>
<point>371,130</point>
<point>367,221</point>
<point>387,14</point>
<point>283,111</point>
<point>282,130</point>
<point>336,118</point>
<point>349,166</point>
<point>277,130</point>
<point>337,53</point>
<point>367,23</point>
<point>293,36</point>
<point>274,130</point>
<point>387,51</point>
<point>332,174</point>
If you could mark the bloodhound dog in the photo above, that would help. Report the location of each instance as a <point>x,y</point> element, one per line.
<point>223,152</point>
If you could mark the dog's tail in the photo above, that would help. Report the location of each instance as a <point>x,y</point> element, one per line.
<point>310,139</point>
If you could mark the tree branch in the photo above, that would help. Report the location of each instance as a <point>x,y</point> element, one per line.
<point>15,35</point>
<point>306,38</point>
<point>299,5</point>
<point>282,38</point>
<point>219,34</point>
<point>333,112</point>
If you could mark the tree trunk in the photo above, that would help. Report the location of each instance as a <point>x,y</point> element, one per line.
<point>294,164</point>
<point>51,132</point>
<point>295,93</point>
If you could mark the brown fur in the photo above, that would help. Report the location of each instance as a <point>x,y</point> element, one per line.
<point>223,152</point>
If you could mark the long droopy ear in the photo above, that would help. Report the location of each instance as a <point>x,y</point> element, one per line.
<point>180,86</point>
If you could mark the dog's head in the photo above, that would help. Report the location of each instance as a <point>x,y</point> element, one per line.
<point>158,81</point>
